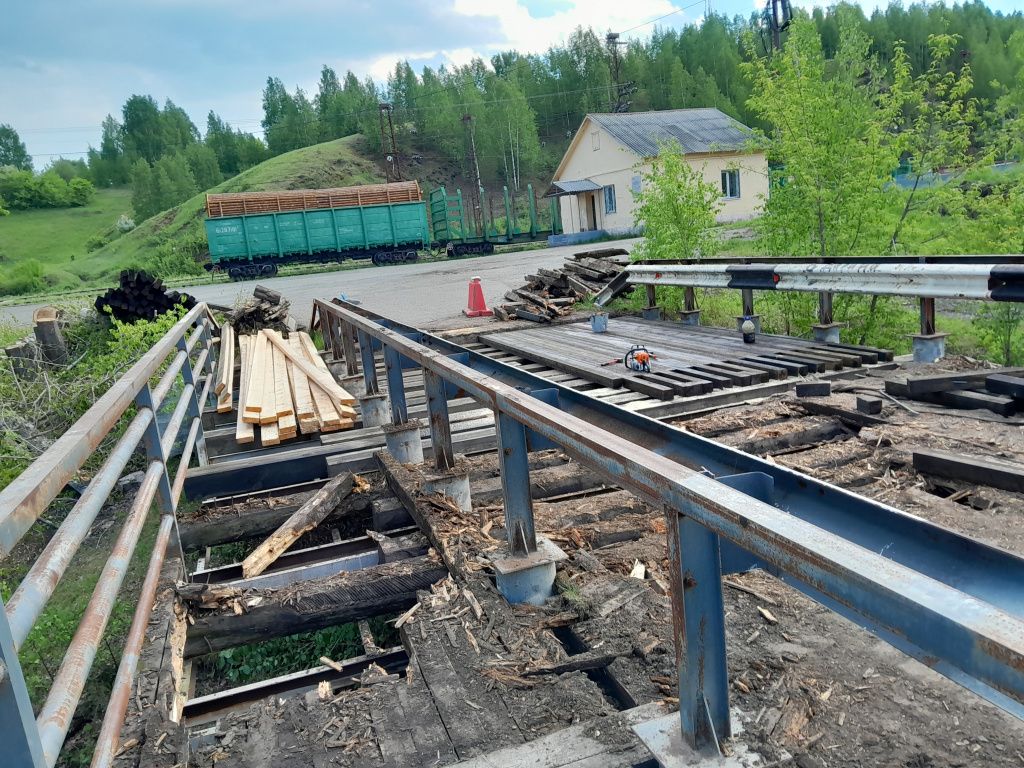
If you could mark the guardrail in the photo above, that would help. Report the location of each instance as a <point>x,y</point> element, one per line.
<point>36,741</point>
<point>923,281</point>
<point>950,601</point>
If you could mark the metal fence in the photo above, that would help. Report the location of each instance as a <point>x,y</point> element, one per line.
<point>36,741</point>
<point>946,599</point>
<point>972,278</point>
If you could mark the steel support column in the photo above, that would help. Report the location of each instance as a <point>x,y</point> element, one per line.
<point>154,452</point>
<point>396,385</point>
<point>927,316</point>
<point>195,408</point>
<point>372,387</point>
<point>689,299</point>
<point>747,296</point>
<point>825,315</point>
<point>19,733</point>
<point>515,486</point>
<point>698,621</point>
<point>440,426</point>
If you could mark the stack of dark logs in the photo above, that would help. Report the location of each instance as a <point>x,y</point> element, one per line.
<point>551,293</point>
<point>266,309</point>
<point>139,296</point>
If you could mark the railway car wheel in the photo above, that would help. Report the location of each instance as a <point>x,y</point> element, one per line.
<point>375,259</point>
<point>488,248</point>
<point>235,274</point>
<point>411,255</point>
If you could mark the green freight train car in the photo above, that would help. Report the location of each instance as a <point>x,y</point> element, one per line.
<point>251,233</point>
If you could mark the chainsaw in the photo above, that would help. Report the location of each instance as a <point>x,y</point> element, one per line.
<point>638,358</point>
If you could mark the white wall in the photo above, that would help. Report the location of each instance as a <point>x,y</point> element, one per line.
<point>607,162</point>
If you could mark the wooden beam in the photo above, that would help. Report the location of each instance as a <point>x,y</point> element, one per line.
<point>944,382</point>
<point>308,517</point>
<point>323,380</point>
<point>993,472</point>
<point>244,432</point>
<point>340,599</point>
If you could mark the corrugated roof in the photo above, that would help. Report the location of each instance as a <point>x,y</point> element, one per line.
<point>571,187</point>
<point>696,130</point>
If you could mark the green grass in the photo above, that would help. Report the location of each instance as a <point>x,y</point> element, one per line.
<point>57,238</point>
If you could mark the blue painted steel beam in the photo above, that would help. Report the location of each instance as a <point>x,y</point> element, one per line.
<point>440,427</point>
<point>19,734</point>
<point>369,364</point>
<point>513,459</point>
<point>396,386</point>
<point>981,635</point>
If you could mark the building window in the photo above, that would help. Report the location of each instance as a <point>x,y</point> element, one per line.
<point>595,140</point>
<point>731,183</point>
<point>635,184</point>
<point>609,199</point>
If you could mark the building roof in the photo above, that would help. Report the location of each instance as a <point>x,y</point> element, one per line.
<point>571,187</point>
<point>697,130</point>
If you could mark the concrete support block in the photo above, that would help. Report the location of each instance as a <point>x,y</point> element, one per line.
<point>375,409</point>
<point>827,334</point>
<point>928,348</point>
<point>755,319</point>
<point>403,442</point>
<point>453,485</point>
<point>651,313</point>
<point>354,385</point>
<point>814,389</point>
<point>529,579</point>
<point>690,317</point>
<point>389,514</point>
<point>869,405</point>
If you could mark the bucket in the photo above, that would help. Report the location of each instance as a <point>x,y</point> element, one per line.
<point>599,322</point>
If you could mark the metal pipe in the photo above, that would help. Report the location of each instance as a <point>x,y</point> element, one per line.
<point>29,599</point>
<point>117,704</point>
<point>55,717</point>
<point>186,456</point>
<point>168,378</point>
<point>170,432</point>
<point>30,493</point>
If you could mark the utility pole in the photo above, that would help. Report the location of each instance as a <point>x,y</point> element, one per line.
<point>620,90</point>
<point>467,120</point>
<point>387,140</point>
<point>777,16</point>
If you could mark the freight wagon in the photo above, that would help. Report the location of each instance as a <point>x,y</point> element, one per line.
<point>249,234</point>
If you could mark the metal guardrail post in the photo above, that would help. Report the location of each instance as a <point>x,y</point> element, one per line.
<point>440,426</point>
<point>747,297</point>
<point>19,734</point>
<point>195,408</point>
<point>154,451</point>
<point>370,382</point>
<point>515,486</point>
<point>689,299</point>
<point>927,316</point>
<point>396,385</point>
<point>348,348</point>
<point>698,618</point>
<point>825,314</point>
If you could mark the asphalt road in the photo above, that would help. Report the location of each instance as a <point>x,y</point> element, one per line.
<point>421,294</point>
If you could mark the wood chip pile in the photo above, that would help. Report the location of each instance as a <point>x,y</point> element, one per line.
<point>140,296</point>
<point>551,293</point>
<point>266,309</point>
<point>1000,390</point>
<point>285,388</point>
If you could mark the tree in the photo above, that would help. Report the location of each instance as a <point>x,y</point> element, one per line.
<point>179,131</point>
<point>202,162</point>
<point>12,149</point>
<point>69,169</point>
<point>109,165</point>
<point>143,129</point>
<point>80,191</point>
<point>174,180</point>
<point>145,197</point>
<point>677,208</point>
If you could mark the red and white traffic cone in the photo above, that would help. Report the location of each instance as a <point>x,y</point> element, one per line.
<point>477,306</point>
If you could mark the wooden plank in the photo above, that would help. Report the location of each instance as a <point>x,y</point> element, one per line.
<point>990,471</point>
<point>678,385</point>
<point>308,516</point>
<point>968,400</point>
<point>268,412</point>
<point>1003,384</point>
<point>254,392</point>
<point>854,418</point>
<point>299,384</point>
<point>243,430</point>
<point>556,361</point>
<point>343,405</point>
<point>649,386</point>
<point>282,389</point>
<point>944,382</point>
<point>343,598</point>
<point>718,380</point>
<point>321,378</point>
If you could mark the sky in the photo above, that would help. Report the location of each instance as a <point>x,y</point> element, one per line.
<point>66,64</point>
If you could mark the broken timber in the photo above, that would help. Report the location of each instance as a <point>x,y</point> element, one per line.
<point>995,473</point>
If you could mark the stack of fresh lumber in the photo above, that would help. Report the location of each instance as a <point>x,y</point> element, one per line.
<point>247,203</point>
<point>1000,390</point>
<point>266,309</point>
<point>140,296</point>
<point>286,388</point>
<point>551,293</point>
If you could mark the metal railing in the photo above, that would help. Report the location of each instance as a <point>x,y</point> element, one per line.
<point>950,601</point>
<point>36,741</point>
<point>982,281</point>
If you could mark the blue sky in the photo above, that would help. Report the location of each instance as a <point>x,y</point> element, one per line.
<point>65,64</point>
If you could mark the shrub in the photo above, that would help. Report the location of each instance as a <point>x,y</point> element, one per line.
<point>26,277</point>
<point>80,191</point>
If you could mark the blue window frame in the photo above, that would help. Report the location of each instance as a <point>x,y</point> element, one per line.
<point>609,199</point>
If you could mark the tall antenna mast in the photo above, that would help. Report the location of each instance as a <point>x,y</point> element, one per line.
<point>387,140</point>
<point>620,90</point>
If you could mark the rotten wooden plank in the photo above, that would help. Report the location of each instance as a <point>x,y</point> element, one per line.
<point>990,471</point>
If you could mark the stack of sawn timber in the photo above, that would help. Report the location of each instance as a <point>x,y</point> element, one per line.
<point>286,388</point>
<point>140,296</point>
<point>551,293</point>
<point>1000,390</point>
<point>248,203</point>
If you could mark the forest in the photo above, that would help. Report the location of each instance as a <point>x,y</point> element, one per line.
<point>520,110</point>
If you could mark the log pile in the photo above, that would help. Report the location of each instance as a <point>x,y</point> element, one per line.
<point>266,309</point>
<point>140,296</point>
<point>285,389</point>
<point>551,293</point>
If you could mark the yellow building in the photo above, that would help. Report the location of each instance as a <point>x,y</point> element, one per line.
<point>601,171</point>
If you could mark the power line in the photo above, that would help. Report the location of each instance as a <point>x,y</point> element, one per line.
<point>664,16</point>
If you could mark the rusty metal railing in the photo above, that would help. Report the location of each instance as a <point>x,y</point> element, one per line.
<point>36,741</point>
